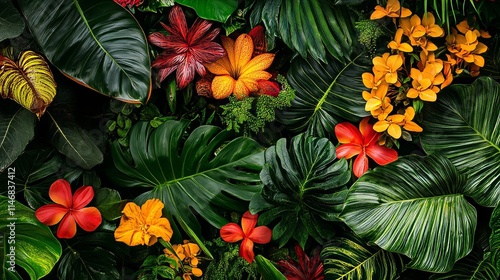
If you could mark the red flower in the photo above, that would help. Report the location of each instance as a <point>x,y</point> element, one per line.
<point>362,142</point>
<point>130,3</point>
<point>233,233</point>
<point>70,209</point>
<point>305,268</point>
<point>185,50</point>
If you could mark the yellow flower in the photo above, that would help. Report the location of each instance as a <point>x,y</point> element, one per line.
<point>425,83</point>
<point>392,9</point>
<point>463,27</point>
<point>412,28</point>
<point>387,66</point>
<point>186,255</point>
<point>238,72</point>
<point>397,45</point>
<point>431,28</point>
<point>408,123</point>
<point>143,225</point>
<point>392,124</point>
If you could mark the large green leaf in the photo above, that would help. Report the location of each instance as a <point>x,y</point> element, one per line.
<point>463,125</point>
<point>304,187</point>
<point>189,172</point>
<point>267,269</point>
<point>98,43</point>
<point>17,128</point>
<point>36,248</point>
<point>326,94</point>
<point>218,10</point>
<point>72,141</point>
<point>11,22</point>
<point>313,28</point>
<point>349,258</point>
<point>495,238</point>
<point>414,206</point>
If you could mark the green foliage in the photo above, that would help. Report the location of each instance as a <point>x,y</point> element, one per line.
<point>251,114</point>
<point>218,10</point>
<point>11,22</point>
<point>267,269</point>
<point>369,32</point>
<point>160,267</point>
<point>227,264</point>
<point>304,188</point>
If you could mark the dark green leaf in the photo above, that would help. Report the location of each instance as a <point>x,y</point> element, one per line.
<point>326,94</point>
<point>190,173</point>
<point>218,10</point>
<point>267,269</point>
<point>109,203</point>
<point>495,238</point>
<point>11,22</point>
<point>414,206</point>
<point>16,130</point>
<point>36,248</point>
<point>304,184</point>
<point>349,258</point>
<point>463,126</point>
<point>97,43</point>
<point>72,141</point>
<point>156,5</point>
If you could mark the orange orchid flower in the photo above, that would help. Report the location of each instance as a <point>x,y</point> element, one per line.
<point>408,123</point>
<point>391,124</point>
<point>412,28</point>
<point>463,27</point>
<point>392,9</point>
<point>425,83</point>
<point>238,72</point>
<point>387,66</point>
<point>431,28</point>
<point>248,233</point>
<point>396,43</point>
<point>69,209</point>
<point>364,144</point>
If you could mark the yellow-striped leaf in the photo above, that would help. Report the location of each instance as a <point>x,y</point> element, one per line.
<point>28,82</point>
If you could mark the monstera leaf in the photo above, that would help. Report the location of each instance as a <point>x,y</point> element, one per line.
<point>16,130</point>
<point>28,82</point>
<point>348,257</point>
<point>304,187</point>
<point>189,172</point>
<point>326,94</point>
<point>414,206</point>
<point>463,126</point>
<point>97,43</point>
<point>218,10</point>
<point>36,248</point>
<point>11,22</point>
<point>313,28</point>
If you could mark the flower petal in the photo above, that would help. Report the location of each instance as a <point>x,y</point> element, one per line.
<point>241,90</point>
<point>246,250</point>
<point>261,235</point>
<point>243,50</point>
<point>161,228</point>
<point>231,233</point>
<point>207,52</point>
<point>67,227</point>
<point>151,210</point>
<point>51,214</point>
<point>248,222</point>
<point>197,31</point>
<point>228,45</point>
<point>360,165</point>
<point>88,218</point>
<point>82,197</point>
<point>178,21</point>
<point>394,130</point>
<point>258,63</point>
<point>60,193</point>
<point>129,233</point>
<point>222,86</point>
<point>185,72</point>
<point>196,271</point>
<point>381,154</point>
<point>348,133</point>
<point>348,150</point>
<point>220,67</point>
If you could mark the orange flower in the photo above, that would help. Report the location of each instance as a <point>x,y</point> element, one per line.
<point>412,28</point>
<point>387,66</point>
<point>431,28</point>
<point>392,9</point>
<point>392,124</point>
<point>463,27</point>
<point>397,45</point>
<point>408,123</point>
<point>425,83</point>
<point>143,225</point>
<point>187,257</point>
<point>238,72</point>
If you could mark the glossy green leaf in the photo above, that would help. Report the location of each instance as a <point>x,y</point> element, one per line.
<point>463,125</point>
<point>190,172</point>
<point>304,188</point>
<point>495,238</point>
<point>72,141</point>
<point>97,43</point>
<point>218,10</point>
<point>347,257</point>
<point>11,22</point>
<point>414,206</point>
<point>267,269</point>
<point>109,203</point>
<point>17,128</point>
<point>156,6</point>
<point>36,248</point>
<point>326,94</point>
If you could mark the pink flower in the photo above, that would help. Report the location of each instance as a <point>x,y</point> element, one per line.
<point>69,209</point>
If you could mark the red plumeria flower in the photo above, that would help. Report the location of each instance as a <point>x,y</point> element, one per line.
<point>248,232</point>
<point>185,50</point>
<point>364,143</point>
<point>69,209</point>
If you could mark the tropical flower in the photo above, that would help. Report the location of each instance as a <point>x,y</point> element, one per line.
<point>424,83</point>
<point>143,225</point>
<point>392,9</point>
<point>185,50</point>
<point>69,209</point>
<point>386,66</point>
<point>431,28</point>
<point>248,233</point>
<point>412,28</point>
<point>238,72</point>
<point>364,144</point>
<point>397,45</point>
<point>395,123</point>
<point>129,3</point>
<point>186,253</point>
<point>305,268</point>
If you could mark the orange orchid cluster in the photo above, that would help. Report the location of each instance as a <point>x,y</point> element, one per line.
<point>392,82</point>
